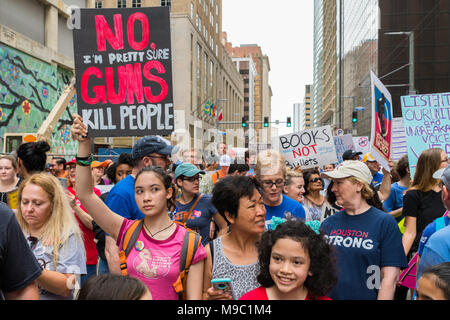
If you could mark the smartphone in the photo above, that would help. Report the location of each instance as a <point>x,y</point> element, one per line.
<point>223,284</point>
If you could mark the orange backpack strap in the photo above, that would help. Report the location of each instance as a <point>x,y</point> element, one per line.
<point>191,242</point>
<point>129,239</point>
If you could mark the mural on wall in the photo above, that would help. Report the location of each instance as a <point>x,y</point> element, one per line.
<point>29,88</point>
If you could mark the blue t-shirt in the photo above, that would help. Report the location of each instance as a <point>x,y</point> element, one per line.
<point>395,200</point>
<point>434,226</point>
<point>364,244</point>
<point>121,199</point>
<point>287,209</point>
<point>436,251</point>
<point>376,179</point>
<point>202,214</point>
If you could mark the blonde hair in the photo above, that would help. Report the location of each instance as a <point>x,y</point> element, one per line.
<point>292,174</point>
<point>62,223</point>
<point>10,158</point>
<point>268,160</point>
<point>366,192</point>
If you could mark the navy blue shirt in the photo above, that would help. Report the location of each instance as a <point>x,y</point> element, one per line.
<point>200,219</point>
<point>364,244</point>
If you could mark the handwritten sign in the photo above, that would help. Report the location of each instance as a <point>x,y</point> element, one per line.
<point>123,66</point>
<point>327,211</point>
<point>427,124</point>
<point>307,149</point>
<point>381,131</point>
<point>343,143</point>
<point>398,146</point>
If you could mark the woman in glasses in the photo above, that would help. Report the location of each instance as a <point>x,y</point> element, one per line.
<point>195,209</point>
<point>45,216</point>
<point>314,200</point>
<point>270,172</point>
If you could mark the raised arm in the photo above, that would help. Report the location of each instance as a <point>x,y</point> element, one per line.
<point>109,221</point>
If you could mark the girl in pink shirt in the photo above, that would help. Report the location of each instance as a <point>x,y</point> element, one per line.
<point>155,257</point>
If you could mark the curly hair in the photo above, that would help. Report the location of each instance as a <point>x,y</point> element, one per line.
<point>307,174</point>
<point>322,256</point>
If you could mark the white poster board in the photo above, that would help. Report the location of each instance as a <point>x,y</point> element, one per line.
<point>343,143</point>
<point>308,148</point>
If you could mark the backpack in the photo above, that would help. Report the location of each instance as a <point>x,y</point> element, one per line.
<point>191,242</point>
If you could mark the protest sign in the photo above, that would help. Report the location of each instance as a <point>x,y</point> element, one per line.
<point>123,66</point>
<point>343,143</point>
<point>381,131</point>
<point>427,125</point>
<point>398,145</point>
<point>308,148</point>
<point>362,144</point>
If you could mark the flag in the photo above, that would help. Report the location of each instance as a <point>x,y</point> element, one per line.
<point>207,107</point>
<point>220,116</point>
<point>213,110</point>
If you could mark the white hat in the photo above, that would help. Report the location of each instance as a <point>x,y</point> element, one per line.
<point>225,161</point>
<point>351,168</point>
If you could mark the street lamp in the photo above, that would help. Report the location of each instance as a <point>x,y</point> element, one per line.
<point>410,34</point>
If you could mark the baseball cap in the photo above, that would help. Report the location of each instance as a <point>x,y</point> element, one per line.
<point>187,169</point>
<point>444,175</point>
<point>96,164</point>
<point>351,168</point>
<point>225,161</point>
<point>349,154</point>
<point>152,144</point>
<point>73,161</point>
<point>368,157</point>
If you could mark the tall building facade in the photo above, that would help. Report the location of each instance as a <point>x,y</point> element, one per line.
<point>317,88</point>
<point>429,21</point>
<point>306,118</point>
<point>262,90</point>
<point>359,26</point>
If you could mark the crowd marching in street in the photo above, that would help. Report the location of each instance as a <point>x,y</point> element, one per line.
<point>223,230</point>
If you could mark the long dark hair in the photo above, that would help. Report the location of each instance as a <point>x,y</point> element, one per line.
<point>166,179</point>
<point>33,155</point>
<point>321,254</point>
<point>442,277</point>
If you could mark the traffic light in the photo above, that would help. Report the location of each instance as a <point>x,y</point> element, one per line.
<point>288,122</point>
<point>355,117</point>
<point>244,122</point>
<point>266,122</point>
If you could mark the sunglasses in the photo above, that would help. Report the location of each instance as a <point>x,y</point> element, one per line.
<point>314,180</point>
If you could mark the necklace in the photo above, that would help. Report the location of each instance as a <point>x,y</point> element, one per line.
<point>154,234</point>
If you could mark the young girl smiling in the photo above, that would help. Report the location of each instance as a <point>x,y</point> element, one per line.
<point>295,264</point>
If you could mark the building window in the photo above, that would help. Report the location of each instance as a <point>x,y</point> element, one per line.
<point>166,3</point>
<point>192,11</point>
<point>121,3</point>
<point>136,3</point>
<point>98,4</point>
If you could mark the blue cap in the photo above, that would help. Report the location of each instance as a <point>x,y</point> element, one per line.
<point>187,169</point>
<point>152,144</point>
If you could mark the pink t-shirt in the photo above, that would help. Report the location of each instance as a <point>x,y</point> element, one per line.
<point>260,293</point>
<point>157,264</point>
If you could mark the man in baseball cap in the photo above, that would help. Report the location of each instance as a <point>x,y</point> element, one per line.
<point>351,155</point>
<point>374,167</point>
<point>153,150</point>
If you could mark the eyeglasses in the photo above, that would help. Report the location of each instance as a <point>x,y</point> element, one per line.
<point>158,157</point>
<point>192,179</point>
<point>314,180</point>
<point>446,160</point>
<point>270,183</point>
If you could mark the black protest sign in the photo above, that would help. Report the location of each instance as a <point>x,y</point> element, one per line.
<point>123,66</point>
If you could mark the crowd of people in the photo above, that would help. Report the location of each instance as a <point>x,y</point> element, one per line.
<point>146,226</point>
